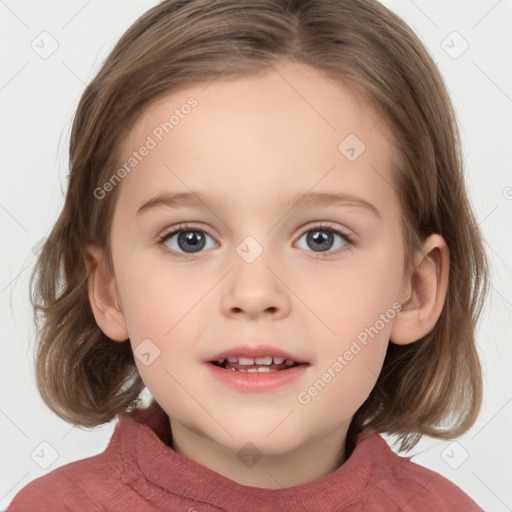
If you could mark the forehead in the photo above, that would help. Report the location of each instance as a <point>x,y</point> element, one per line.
<point>285,130</point>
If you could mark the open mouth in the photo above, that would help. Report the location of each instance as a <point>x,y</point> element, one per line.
<point>258,364</point>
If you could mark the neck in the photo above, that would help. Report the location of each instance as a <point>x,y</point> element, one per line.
<point>306,463</point>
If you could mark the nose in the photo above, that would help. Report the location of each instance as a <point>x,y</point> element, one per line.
<point>255,289</point>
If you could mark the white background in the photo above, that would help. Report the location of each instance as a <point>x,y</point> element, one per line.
<point>38,98</point>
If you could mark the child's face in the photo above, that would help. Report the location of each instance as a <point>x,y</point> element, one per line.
<point>251,144</point>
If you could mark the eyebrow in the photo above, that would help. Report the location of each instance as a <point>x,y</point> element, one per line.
<point>301,200</point>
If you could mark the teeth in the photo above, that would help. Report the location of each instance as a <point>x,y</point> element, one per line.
<point>267,360</point>
<point>254,370</point>
<point>263,360</point>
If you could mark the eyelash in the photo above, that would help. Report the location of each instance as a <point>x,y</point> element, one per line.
<point>162,239</point>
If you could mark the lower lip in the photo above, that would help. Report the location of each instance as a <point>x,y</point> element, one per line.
<point>257,382</point>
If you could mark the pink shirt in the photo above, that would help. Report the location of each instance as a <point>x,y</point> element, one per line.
<point>139,472</point>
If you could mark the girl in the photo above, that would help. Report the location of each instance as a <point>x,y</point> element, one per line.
<point>307,153</point>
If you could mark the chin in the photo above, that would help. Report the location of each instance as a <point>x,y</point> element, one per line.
<point>277,443</point>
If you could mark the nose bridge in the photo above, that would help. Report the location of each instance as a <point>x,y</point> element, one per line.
<point>253,284</point>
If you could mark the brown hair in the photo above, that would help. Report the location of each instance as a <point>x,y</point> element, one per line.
<point>87,379</point>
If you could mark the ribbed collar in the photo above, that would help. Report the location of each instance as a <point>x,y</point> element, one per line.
<point>155,471</point>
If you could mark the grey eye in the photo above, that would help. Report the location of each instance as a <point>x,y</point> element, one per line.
<point>188,241</point>
<point>322,239</point>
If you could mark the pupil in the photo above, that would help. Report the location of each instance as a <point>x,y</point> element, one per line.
<point>321,238</point>
<point>192,238</point>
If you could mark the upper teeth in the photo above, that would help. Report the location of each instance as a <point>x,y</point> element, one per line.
<point>258,360</point>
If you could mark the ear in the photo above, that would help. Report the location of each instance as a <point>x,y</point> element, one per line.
<point>102,295</point>
<point>425,293</point>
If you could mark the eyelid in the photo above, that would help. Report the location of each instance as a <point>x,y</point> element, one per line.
<point>319,224</point>
<point>316,224</point>
<point>184,226</point>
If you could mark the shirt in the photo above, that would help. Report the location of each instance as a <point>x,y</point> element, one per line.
<point>139,471</point>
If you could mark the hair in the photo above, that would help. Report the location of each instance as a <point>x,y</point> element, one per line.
<point>430,387</point>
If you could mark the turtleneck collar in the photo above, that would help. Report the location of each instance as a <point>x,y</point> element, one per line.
<point>155,470</point>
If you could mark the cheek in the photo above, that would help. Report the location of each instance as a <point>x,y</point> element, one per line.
<point>162,312</point>
<point>168,309</point>
<point>359,308</point>
<point>159,301</point>
<point>355,297</point>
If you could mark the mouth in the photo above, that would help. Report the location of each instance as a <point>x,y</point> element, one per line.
<point>256,369</point>
<point>257,364</point>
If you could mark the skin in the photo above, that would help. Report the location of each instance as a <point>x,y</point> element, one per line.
<point>253,142</point>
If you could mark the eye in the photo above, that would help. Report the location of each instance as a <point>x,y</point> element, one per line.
<point>322,238</point>
<point>190,240</point>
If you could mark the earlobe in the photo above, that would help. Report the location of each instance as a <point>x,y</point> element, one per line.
<point>102,295</point>
<point>427,288</point>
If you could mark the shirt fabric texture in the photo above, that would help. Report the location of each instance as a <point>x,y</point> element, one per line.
<point>140,472</point>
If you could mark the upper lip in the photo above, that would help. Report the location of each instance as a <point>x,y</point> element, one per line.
<point>253,351</point>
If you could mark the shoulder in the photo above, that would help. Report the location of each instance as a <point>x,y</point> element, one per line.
<point>79,485</point>
<point>410,486</point>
